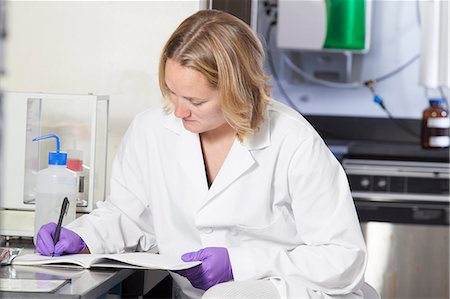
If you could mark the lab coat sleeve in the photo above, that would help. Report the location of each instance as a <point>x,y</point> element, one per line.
<point>123,222</point>
<point>331,255</point>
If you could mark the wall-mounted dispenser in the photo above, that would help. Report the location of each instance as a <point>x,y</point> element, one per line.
<point>326,39</point>
<point>324,25</point>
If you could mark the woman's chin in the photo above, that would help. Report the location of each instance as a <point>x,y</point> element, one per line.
<point>191,127</point>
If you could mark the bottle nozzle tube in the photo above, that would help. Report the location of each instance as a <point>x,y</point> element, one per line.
<point>58,145</point>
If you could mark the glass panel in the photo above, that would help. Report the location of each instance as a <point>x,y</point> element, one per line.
<point>81,124</point>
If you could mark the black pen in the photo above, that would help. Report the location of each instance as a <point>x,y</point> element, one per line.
<point>64,209</point>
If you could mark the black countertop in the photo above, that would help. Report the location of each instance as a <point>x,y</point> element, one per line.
<point>394,151</point>
<point>375,138</point>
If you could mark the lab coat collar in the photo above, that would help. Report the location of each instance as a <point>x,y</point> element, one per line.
<point>238,161</point>
<point>173,123</point>
<point>188,152</point>
<point>259,140</point>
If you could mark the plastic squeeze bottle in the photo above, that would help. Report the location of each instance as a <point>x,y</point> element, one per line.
<point>53,184</point>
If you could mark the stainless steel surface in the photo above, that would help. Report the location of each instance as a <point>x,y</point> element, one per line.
<point>84,283</point>
<point>408,261</point>
<point>404,210</point>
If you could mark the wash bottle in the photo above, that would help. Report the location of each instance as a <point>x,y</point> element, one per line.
<point>53,184</point>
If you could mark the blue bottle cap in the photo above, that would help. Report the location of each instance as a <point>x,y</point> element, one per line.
<point>57,158</point>
<point>54,158</point>
<point>436,101</point>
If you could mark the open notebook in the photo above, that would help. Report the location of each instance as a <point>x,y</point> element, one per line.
<point>132,260</point>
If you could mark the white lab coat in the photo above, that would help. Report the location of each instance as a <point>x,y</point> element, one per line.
<point>280,204</point>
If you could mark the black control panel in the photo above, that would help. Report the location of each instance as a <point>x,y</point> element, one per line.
<point>399,184</point>
<point>409,192</point>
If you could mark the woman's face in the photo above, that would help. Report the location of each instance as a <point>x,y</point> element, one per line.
<point>196,103</point>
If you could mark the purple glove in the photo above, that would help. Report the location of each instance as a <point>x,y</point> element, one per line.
<point>69,242</point>
<point>215,267</point>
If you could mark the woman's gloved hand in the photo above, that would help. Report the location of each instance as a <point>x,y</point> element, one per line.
<point>69,241</point>
<point>215,267</point>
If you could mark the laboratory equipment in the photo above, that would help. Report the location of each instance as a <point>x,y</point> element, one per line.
<point>81,122</point>
<point>324,25</point>
<point>8,254</point>
<point>54,185</point>
<point>324,40</point>
<point>435,125</point>
<point>75,163</point>
<point>403,205</point>
<point>434,63</point>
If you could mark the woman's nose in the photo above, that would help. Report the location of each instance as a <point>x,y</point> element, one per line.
<point>181,110</point>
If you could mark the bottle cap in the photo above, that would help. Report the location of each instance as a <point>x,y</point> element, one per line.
<point>57,157</point>
<point>436,101</point>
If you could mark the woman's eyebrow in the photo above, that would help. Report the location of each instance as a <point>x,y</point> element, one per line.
<point>188,98</point>
<point>194,99</point>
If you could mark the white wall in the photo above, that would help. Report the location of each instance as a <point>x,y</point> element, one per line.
<point>100,47</point>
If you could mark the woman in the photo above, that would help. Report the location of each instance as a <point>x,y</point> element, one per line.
<point>225,175</point>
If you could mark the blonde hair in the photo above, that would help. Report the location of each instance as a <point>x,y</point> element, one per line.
<point>231,57</point>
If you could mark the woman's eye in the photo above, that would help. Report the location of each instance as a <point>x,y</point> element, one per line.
<point>197,103</point>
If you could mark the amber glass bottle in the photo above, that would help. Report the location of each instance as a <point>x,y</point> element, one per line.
<point>435,125</point>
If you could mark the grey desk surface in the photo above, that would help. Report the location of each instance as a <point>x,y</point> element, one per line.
<point>84,283</point>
